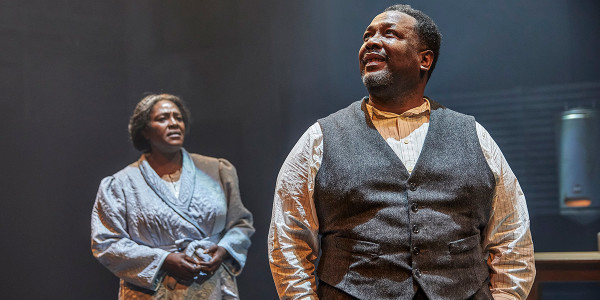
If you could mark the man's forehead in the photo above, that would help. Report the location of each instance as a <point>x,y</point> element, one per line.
<point>393,17</point>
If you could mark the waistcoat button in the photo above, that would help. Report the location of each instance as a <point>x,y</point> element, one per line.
<point>414,207</point>
<point>416,229</point>
<point>418,273</point>
<point>413,186</point>
<point>416,251</point>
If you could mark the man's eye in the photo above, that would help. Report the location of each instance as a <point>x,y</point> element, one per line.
<point>366,37</point>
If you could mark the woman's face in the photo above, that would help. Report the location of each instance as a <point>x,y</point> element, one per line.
<point>165,130</point>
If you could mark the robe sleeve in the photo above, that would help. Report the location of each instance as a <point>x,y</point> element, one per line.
<point>238,226</point>
<point>112,246</point>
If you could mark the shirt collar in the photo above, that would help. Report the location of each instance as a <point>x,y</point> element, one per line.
<point>418,111</point>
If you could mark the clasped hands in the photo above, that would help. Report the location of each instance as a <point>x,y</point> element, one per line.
<point>186,268</point>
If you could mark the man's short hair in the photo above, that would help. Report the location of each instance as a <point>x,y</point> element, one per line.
<point>428,32</point>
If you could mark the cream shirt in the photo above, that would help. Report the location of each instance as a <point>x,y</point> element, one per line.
<point>293,235</point>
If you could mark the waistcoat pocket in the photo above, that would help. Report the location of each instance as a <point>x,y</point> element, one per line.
<point>357,246</point>
<point>467,255</point>
<point>463,245</point>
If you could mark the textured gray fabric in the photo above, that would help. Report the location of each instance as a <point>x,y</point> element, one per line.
<point>369,228</point>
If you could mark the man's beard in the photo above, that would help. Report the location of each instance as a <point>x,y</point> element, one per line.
<point>377,79</point>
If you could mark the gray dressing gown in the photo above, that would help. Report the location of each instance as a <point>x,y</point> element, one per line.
<point>137,222</point>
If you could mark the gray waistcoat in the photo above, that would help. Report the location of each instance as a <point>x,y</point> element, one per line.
<point>383,231</point>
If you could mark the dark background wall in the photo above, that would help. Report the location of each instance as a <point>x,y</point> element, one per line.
<point>256,74</point>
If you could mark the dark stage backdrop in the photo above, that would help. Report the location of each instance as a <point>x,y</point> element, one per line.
<point>256,74</point>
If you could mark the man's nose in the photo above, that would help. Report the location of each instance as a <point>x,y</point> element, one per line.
<point>373,42</point>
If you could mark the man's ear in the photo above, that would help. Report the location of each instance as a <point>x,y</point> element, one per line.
<point>426,60</point>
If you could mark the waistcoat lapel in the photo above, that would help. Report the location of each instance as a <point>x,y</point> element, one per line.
<point>376,139</point>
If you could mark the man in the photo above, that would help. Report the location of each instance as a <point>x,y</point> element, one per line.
<point>397,196</point>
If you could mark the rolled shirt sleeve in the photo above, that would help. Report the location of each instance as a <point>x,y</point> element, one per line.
<point>293,235</point>
<point>507,236</point>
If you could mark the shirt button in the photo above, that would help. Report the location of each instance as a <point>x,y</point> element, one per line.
<point>414,207</point>
<point>416,251</point>
<point>416,229</point>
<point>418,273</point>
<point>406,141</point>
<point>413,186</point>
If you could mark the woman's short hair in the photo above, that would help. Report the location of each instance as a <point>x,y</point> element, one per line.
<point>141,117</point>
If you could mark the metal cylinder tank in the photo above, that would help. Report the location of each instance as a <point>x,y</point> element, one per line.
<point>579,162</point>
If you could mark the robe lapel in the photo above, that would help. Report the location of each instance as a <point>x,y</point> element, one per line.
<point>188,179</point>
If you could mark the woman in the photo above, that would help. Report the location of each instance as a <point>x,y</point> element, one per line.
<point>171,225</point>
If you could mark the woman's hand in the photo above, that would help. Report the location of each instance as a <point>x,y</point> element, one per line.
<point>218,254</point>
<point>181,266</point>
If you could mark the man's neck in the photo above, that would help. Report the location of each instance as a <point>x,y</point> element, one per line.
<point>397,104</point>
<point>398,98</point>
